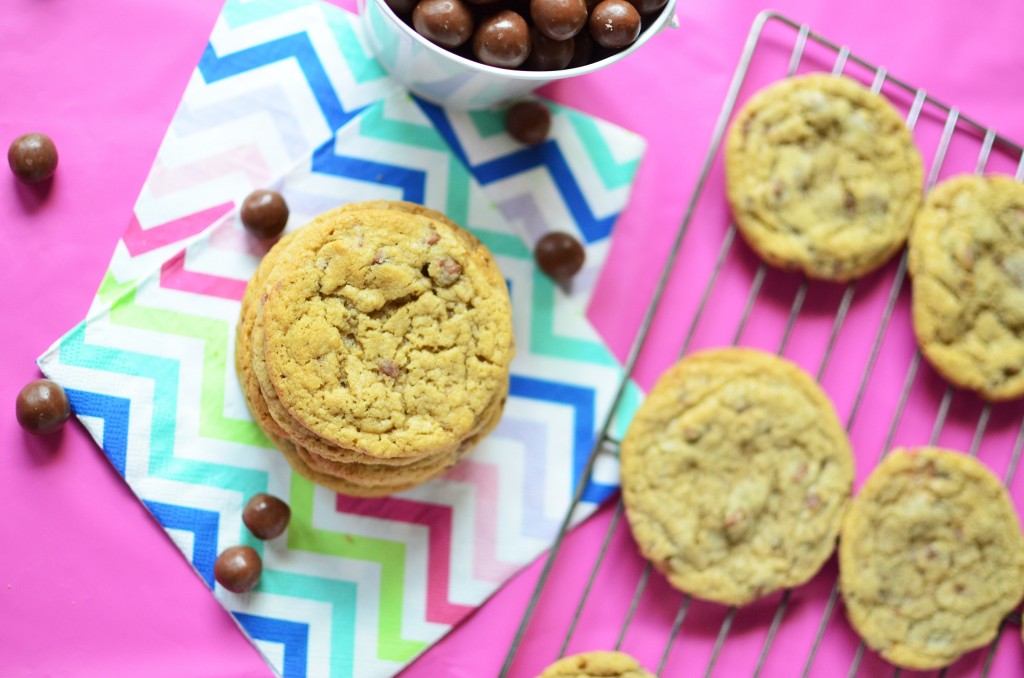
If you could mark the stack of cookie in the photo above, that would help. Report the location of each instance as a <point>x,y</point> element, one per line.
<point>373,346</point>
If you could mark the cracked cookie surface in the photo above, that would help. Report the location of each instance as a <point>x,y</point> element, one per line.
<point>387,333</point>
<point>735,475</point>
<point>967,275</point>
<point>822,176</point>
<point>931,557</point>
<point>597,665</point>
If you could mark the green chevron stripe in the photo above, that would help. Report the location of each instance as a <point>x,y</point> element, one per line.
<point>390,555</point>
<point>215,335</point>
<point>163,372</point>
<point>543,339</point>
<point>614,174</point>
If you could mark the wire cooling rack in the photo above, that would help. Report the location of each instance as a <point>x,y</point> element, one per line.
<point>800,632</point>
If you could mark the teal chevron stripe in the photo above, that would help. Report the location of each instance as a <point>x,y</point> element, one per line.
<point>373,124</point>
<point>503,244</point>
<point>628,405</point>
<point>215,335</point>
<point>241,12</point>
<point>614,174</point>
<point>488,123</point>
<point>163,372</point>
<point>543,339</point>
<point>340,595</point>
<point>457,200</point>
<point>363,66</point>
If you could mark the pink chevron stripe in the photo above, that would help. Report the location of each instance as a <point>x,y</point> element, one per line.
<point>174,276</point>
<point>247,160</point>
<point>438,519</point>
<point>486,564</point>
<point>138,240</point>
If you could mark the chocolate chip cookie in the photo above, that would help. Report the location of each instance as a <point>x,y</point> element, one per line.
<point>822,176</point>
<point>931,557</point>
<point>735,475</point>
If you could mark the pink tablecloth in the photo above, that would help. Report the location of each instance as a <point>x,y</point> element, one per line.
<point>89,585</point>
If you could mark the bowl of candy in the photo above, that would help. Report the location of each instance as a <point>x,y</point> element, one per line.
<point>473,54</point>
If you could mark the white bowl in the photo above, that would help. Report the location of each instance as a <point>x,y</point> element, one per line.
<point>453,81</point>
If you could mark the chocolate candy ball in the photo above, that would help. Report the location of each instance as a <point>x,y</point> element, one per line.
<point>448,23</point>
<point>582,50</point>
<point>266,516</point>
<point>32,157</point>
<point>648,6</point>
<point>238,569</point>
<point>558,19</point>
<point>528,122</point>
<point>264,214</point>
<point>502,40</point>
<point>559,255</point>
<point>404,6</point>
<point>42,407</point>
<point>548,54</point>
<point>615,24</point>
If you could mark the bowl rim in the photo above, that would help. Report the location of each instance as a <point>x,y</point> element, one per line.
<point>664,18</point>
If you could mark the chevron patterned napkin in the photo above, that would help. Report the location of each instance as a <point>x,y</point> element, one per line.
<point>287,96</point>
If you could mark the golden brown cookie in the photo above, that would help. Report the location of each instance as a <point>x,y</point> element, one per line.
<point>931,557</point>
<point>967,267</point>
<point>597,665</point>
<point>735,475</point>
<point>822,176</point>
<point>387,333</point>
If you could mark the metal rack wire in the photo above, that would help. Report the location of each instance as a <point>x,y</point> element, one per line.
<point>953,123</point>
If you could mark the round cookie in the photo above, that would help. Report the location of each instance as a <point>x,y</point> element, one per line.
<point>597,665</point>
<point>931,557</point>
<point>292,456</point>
<point>735,475</point>
<point>387,333</point>
<point>966,260</point>
<point>822,176</point>
<point>374,475</point>
<point>243,339</point>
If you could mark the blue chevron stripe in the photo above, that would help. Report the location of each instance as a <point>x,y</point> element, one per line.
<point>547,155</point>
<point>298,46</point>
<point>293,635</point>
<point>201,523</point>
<point>412,182</point>
<point>582,401</point>
<point>164,374</point>
<point>114,412</point>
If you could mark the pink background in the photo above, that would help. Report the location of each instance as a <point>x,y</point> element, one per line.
<point>90,586</point>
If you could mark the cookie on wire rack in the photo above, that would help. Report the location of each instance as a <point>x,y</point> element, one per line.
<point>597,665</point>
<point>822,176</point>
<point>931,557</point>
<point>735,475</point>
<point>966,263</point>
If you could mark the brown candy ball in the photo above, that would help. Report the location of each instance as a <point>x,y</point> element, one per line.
<point>559,255</point>
<point>502,40</point>
<point>42,407</point>
<point>32,157</point>
<point>448,23</point>
<point>238,569</point>
<point>583,49</point>
<point>648,6</point>
<point>558,19</point>
<point>402,6</point>
<point>528,122</point>
<point>264,214</point>
<point>548,54</point>
<point>266,516</point>
<point>615,24</point>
